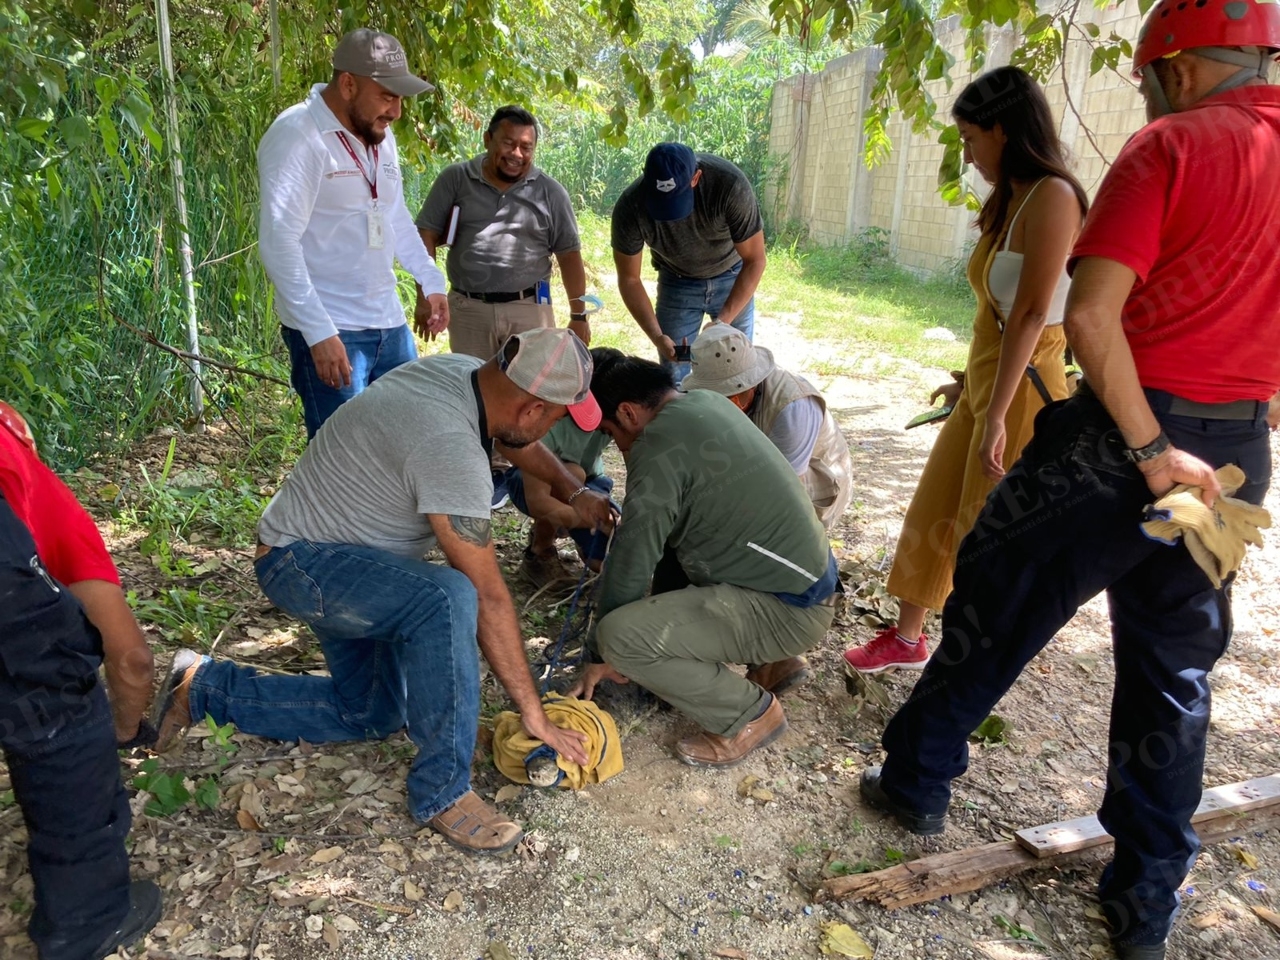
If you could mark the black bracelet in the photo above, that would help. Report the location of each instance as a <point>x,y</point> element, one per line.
<point>577,318</point>
<point>1149,452</point>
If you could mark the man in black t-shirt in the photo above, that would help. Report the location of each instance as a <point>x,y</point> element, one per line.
<point>701,220</point>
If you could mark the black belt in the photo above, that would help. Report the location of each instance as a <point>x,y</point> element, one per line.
<point>1181,407</point>
<point>1235,410</point>
<point>498,297</point>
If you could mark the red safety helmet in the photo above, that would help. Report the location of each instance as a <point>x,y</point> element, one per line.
<point>1177,25</point>
<point>11,420</point>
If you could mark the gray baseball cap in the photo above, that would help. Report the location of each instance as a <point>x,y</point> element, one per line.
<point>378,56</point>
<point>553,365</point>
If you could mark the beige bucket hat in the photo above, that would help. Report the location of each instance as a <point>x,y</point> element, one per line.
<point>725,361</point>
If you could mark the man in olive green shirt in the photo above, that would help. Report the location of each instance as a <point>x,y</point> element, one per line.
<point>714,508</point>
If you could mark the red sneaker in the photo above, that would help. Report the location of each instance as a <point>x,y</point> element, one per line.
<point>888,651</point>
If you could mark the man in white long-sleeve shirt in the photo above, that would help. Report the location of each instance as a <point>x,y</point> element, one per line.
<point>333,220</point>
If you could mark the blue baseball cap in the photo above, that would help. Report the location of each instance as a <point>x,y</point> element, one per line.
<point>668,181</point>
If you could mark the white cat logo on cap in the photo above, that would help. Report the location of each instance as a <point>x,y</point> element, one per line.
<point>666,186</point>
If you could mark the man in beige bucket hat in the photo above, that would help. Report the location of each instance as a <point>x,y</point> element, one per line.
<point>785,406</point>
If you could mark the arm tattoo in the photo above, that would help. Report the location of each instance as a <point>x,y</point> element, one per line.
<point>471,529</point>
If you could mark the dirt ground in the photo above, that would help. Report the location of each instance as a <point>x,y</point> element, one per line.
<point>665,861</point>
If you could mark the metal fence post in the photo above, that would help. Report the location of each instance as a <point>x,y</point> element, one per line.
<point>180,192</point>
<point>273,11</point>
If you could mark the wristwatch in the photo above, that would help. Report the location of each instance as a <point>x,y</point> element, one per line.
<point>577,318</point>
<point>1152,450</point>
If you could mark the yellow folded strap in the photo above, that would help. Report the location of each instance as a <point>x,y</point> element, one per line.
<point>512,745</point>
<point>1215,536</point>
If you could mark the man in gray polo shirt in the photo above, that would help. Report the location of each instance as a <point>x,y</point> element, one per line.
<point>398,470</point>
<point>511,219</point>
<point>701,221</point>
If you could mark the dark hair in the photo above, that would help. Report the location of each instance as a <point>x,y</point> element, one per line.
<point>1010,97</point>
<point>618,378</point>
<point>517,116</point>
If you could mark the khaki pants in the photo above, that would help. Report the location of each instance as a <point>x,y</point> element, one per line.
<point>953,488</point>
<point>478,329</point>
<point>677,644</point>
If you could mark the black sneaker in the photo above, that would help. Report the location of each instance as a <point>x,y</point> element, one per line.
<point>1145,952</point>
<point>144,913</point>
<point>922,824</point>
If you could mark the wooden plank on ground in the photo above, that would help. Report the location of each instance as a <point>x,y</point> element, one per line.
<point>1069,836</point>
<point>963,871</point>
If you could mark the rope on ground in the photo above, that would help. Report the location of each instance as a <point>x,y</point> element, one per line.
<point>578,620</point>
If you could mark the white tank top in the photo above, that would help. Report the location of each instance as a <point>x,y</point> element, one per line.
<point>1006,269</point>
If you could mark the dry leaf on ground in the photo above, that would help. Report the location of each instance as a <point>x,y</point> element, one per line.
<point>842,940</point>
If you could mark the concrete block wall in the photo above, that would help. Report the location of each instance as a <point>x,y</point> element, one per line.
<point>817,138</point>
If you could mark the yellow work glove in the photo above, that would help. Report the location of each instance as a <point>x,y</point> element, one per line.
<point>1215,536</point>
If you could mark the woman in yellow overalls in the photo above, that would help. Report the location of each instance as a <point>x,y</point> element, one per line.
<point>1028,224</point>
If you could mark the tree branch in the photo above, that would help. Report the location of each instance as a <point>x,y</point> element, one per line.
<point>1066,83</point>
<point>186,355</point>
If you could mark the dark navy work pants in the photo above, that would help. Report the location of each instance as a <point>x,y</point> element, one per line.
<point>1060,528</point>
<point>59,741</point>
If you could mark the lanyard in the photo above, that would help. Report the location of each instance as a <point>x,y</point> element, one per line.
<point>373,183</point>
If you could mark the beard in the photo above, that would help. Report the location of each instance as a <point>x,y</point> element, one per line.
<point>364,129</point>
<point>516,441</point>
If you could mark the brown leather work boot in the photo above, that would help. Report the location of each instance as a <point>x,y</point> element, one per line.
<point>713,750</point>
<point>781,675</point>
<point>474,826</point>
<point>173,710</point>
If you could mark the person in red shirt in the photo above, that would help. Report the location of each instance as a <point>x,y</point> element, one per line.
<point>1174,316</point>
<point>62,613</point>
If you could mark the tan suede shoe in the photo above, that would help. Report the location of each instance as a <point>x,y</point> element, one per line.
<point>781,675</point>
<point>173,704</point>
<point>713,750</point>
<point>474,826</point>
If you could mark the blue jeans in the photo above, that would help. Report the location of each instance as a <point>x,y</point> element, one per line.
<point>399,637</point>
<point>371,353</point>
<point>1061,527</point>
<point>591,544</point>
<point>684,301</point>
<point>60,744</point>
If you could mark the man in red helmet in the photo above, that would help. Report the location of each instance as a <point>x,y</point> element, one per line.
<point>1174,315</point>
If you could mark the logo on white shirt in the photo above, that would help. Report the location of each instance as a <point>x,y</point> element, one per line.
<point>666,186</point>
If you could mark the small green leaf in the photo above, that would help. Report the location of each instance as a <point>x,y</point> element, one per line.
<point>207,794</point>
<point>75,131</point>
<point>992,731</point>
<point>110,135</point>
<point>33,129</point>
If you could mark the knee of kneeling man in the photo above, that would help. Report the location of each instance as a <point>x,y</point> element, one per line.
<point>617,639</point>
<point>462,592</point>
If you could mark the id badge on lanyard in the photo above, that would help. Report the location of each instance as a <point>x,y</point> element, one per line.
<point>376,224</point>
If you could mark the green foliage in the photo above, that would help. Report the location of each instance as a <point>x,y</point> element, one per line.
<point>89,260</point>
<point>992,732</point>
<point>184,615</point>
<point>220,738</point>
<point>169,793</point>
<point>1016,931</point>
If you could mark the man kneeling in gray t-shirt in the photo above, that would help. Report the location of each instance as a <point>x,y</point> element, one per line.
<point>397,470</point>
